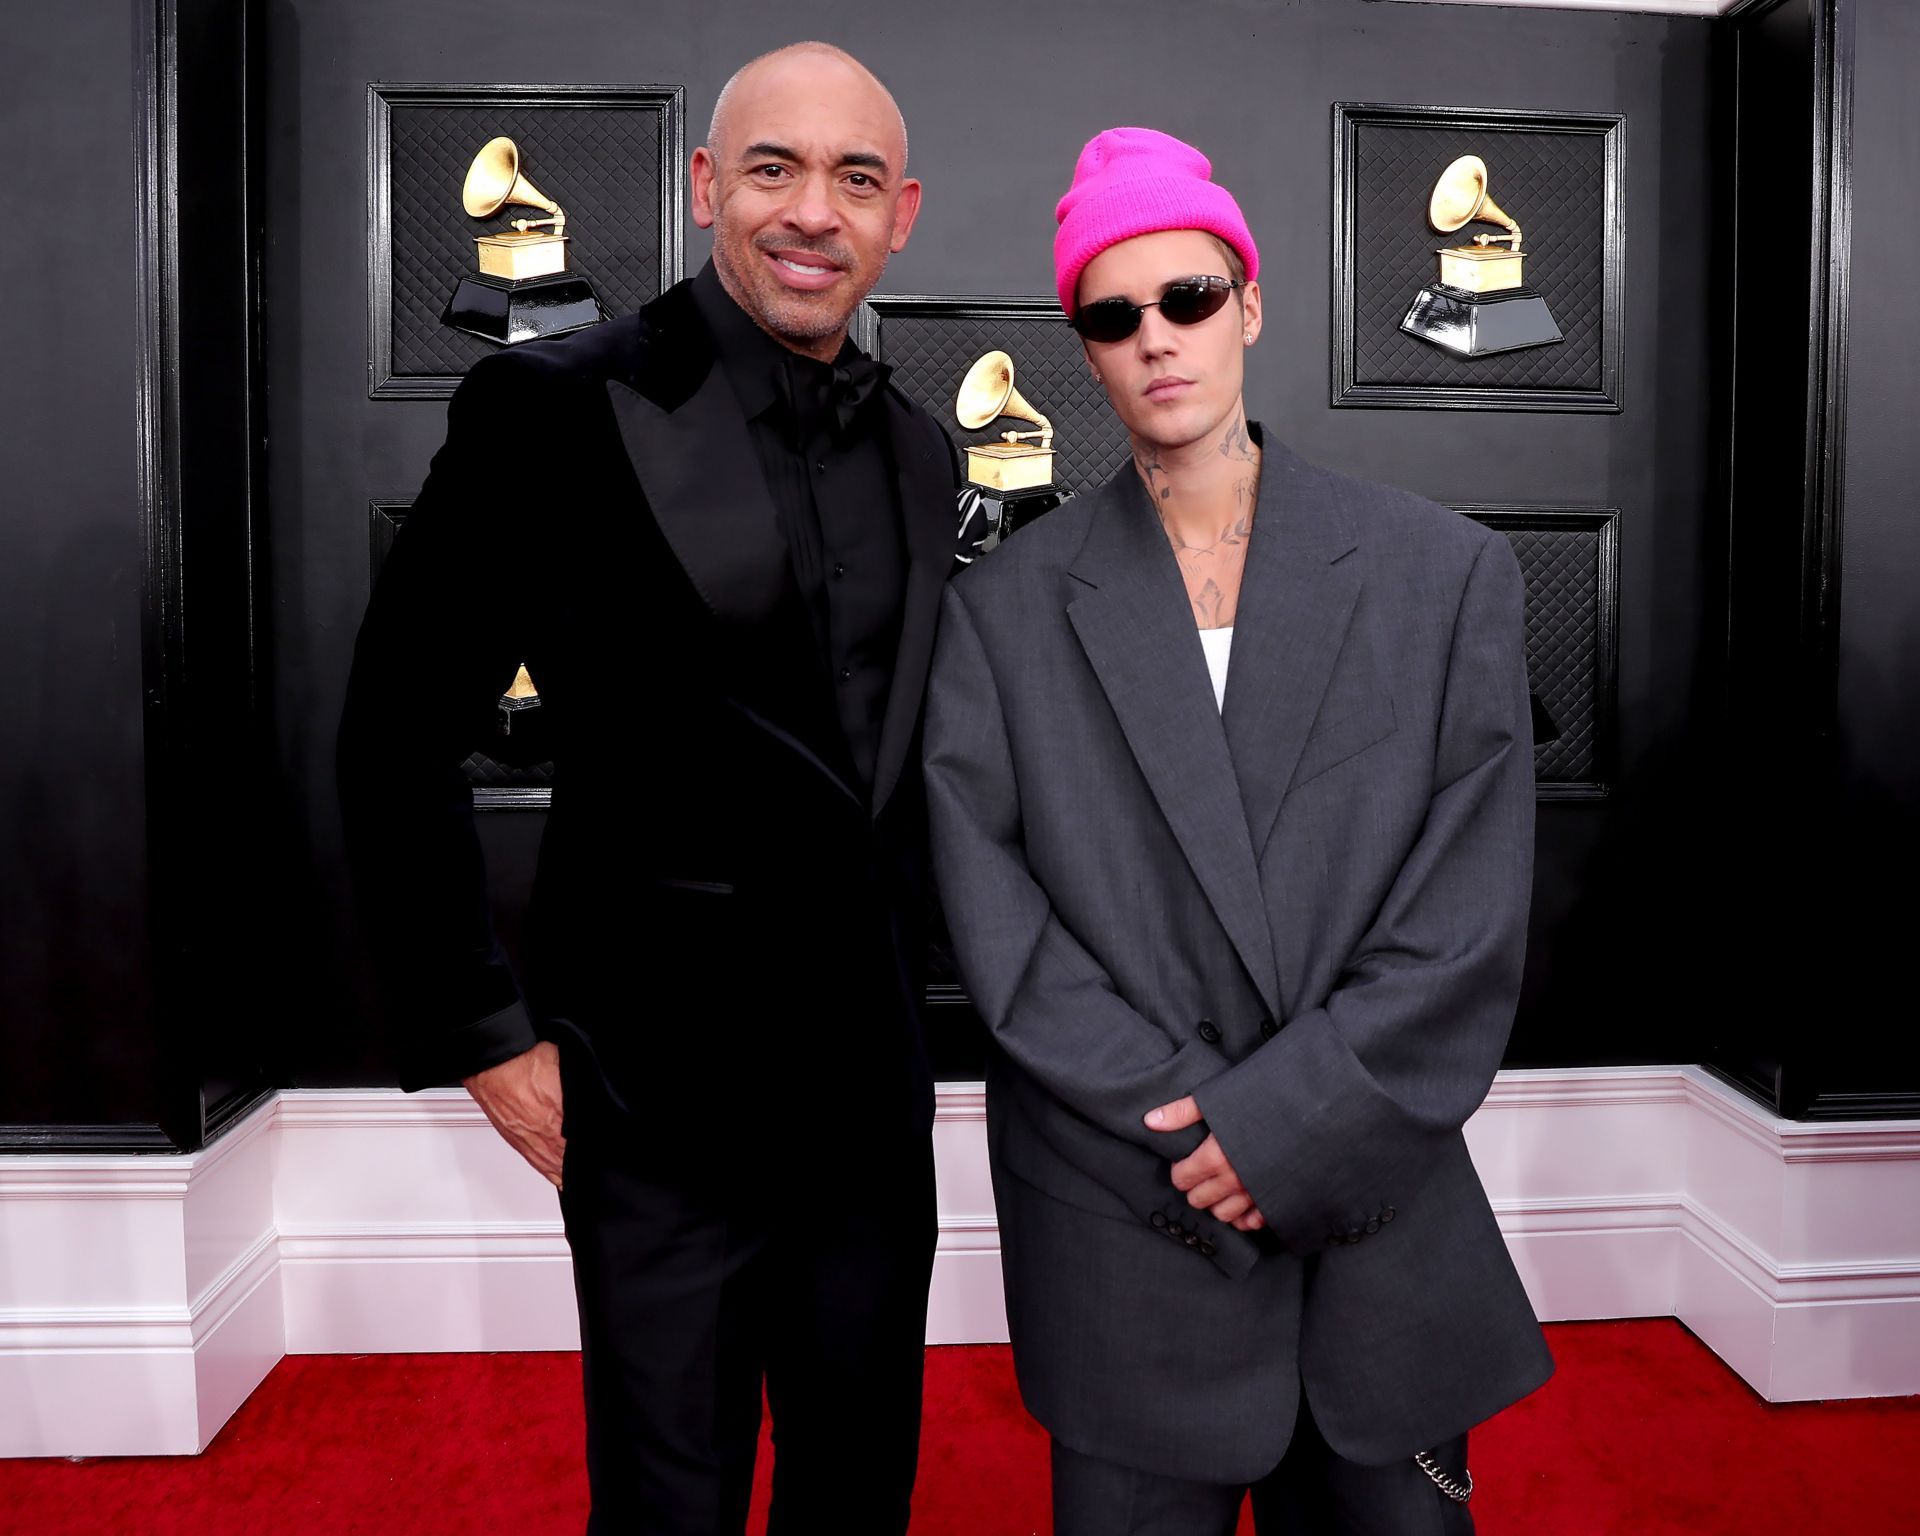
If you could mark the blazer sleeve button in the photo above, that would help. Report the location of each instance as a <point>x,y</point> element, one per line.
<point>1386,1213</point>
<point>1373,1225</point>
<point>1207,1248</point>
<point>1209,1032</point>
<point>1191,1239</point>
<point>1157,1219</point>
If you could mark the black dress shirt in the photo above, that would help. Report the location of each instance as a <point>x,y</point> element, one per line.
<point>834,495</point>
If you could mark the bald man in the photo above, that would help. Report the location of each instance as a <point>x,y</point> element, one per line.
<point>716,538</point>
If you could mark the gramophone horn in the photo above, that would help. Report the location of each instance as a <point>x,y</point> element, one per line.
<point>987,392</point>
<point>494,180</point>
<point>1460,197</point>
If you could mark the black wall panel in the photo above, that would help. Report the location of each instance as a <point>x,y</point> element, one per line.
<point>82,1038</point>
<point>1257,97</point>
<point>76,1002</point>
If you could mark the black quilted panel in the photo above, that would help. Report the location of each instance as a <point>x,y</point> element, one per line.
<point>931,352</point>
<point>1552,184</point>
<point>1563,591</point>
<point>485,773</point>
<point>600,163</point>
<point>1569,633</point>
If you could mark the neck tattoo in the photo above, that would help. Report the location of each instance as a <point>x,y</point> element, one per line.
<point>1211,570</point>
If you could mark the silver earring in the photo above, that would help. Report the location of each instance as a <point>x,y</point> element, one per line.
<point>1096,375</point>
<point>1247,337</point>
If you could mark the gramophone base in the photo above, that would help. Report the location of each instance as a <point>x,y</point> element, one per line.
<point>987,516</point>
<point>521,738</point>
<point>1480,324</point>
<point>503,310</point>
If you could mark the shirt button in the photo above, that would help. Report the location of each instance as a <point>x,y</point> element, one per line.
<point>839,569</point>
<point>846,674</point>
<point>1268,1028</point>
<point>819,466</point>
<point>1209,1032</point>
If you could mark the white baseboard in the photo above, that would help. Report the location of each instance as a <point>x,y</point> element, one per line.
<point>143,1298</point>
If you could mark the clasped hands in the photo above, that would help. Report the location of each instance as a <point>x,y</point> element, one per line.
<point>1206,1177</point>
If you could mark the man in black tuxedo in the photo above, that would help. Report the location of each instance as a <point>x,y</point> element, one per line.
<point>717,540</point>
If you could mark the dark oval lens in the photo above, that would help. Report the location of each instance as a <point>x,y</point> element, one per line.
<point>1107,320</point>
<point>1190,303</point>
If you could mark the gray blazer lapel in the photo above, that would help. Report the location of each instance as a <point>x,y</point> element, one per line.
<point>704,486</point>
<point>1137,629</point>
<point>1296,600</point>
<point>924,484</point>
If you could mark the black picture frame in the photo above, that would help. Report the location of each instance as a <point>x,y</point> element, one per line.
<point>1352,120</point>
<point>667,103</point>
<point>1551,656</point>
<point>1089,439</point>
<point>496,786</point>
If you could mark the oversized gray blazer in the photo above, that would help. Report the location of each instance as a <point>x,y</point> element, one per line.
<point>1309,910</point>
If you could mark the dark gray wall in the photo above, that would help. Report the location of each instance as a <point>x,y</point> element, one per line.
<point>1880,565</point>
<point>1878,836</point>
<point>995,129</point>
<point>76,1033</point>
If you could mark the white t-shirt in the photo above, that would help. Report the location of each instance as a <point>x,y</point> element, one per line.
<point>1217,643</point>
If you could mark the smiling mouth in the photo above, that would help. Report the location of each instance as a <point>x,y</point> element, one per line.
<point>807,266</point>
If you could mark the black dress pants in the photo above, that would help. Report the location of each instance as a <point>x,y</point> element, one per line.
<point>1313,1492</point>
<point>703,1271</point>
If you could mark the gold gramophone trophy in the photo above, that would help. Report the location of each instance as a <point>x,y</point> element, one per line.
<point>1009,482</point>
<point>1481,305</point>
<point>523,289</point>
<point>519,725</point>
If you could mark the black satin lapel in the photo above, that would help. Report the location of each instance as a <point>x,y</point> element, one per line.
<point>1296,601</point>
<point>704,485</point>
<point>1138,632</point>
<point>924,484</point>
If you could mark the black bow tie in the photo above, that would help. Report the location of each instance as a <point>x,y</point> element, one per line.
<point>840,393</point>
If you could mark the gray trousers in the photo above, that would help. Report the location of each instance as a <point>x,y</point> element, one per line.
<point>1313,1492</point>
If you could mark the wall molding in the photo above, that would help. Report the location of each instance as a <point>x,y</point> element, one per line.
<point>145,1296</point>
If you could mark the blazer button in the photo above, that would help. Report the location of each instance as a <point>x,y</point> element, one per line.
<point>1268,1029</point>
<point>1373,1226</point>
<point>1209,1032</point>
<point>1157,1219</point>
<point>1386,1213</point>
<point>1191,1239</point>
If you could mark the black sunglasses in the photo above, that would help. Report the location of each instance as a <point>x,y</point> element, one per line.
<point>1184,301</point>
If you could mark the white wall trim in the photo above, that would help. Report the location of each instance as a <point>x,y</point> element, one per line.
<point>143,1297</point>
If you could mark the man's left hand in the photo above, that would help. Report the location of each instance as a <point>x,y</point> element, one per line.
<point>1207,1177</point>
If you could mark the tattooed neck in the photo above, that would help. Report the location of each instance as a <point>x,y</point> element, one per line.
<point>1218,488</point>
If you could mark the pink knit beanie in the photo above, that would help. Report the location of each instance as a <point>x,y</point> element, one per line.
<point>1134,181</point>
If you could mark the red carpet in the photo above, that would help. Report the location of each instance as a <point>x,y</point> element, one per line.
<point>1641,1433</point>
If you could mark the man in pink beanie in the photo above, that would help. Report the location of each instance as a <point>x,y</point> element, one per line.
<point>1247,944</point>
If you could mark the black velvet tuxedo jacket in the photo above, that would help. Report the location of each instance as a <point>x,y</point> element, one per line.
<point>1307,909</point>
<point>720,914</point>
